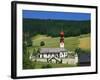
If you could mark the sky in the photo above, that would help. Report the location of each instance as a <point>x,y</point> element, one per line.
<point>30,14</point>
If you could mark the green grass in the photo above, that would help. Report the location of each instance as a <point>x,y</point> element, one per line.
<point>71,43</point>
<point>39,65</point>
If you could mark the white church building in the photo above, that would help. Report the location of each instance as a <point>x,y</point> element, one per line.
<point>53,52</point>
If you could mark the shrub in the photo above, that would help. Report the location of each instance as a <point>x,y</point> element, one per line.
<point>79,51</point>
<point>27,64</point>
<point>42,43</point>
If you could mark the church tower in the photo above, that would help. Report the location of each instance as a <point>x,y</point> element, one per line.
<point>62,39</point>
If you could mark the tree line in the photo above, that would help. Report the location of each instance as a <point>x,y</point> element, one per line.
<point>54,27</point>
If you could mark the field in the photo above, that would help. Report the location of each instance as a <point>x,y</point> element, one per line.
<point>85,43</point>
<point>71,43</point>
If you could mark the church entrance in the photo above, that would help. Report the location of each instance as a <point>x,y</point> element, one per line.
<point>54,60</point>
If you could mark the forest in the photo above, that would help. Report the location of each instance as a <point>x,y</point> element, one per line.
<point>54,27</point>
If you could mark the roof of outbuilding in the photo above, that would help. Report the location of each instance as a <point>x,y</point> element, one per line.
<point>52,50</point>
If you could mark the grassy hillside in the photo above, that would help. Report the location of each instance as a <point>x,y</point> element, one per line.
<point>71,43</point>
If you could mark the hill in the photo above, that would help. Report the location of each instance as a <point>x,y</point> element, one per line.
<point>71,43</point>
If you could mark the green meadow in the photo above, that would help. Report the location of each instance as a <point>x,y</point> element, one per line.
<point>71,43</point>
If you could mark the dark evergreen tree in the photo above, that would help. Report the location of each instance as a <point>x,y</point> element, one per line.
<point>42,43</point>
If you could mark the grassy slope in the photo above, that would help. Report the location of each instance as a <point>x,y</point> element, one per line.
<point>71,43</point>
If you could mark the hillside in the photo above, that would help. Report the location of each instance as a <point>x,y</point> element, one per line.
<point>71,43</point>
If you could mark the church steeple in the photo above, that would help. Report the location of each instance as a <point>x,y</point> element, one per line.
<point>61,39</point>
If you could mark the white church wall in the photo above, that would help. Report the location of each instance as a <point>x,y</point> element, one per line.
<point>61,55</point>
<point>40,55</point>
<point>45,56</point>
<point>76,58</point>
<point>49,55</point>
<point>62,45</point>
<point>65,54</point>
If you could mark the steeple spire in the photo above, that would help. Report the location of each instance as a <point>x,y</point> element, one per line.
<point>61,39</point>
